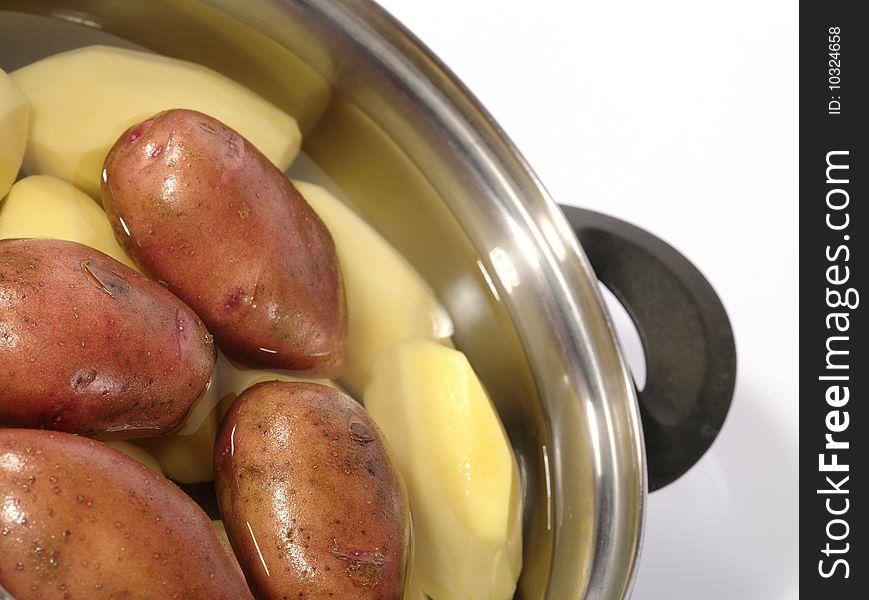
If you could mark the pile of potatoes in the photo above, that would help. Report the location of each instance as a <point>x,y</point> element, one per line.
<point>174,309</point>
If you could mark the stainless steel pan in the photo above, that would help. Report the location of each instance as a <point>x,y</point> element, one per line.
<point>427,166</point>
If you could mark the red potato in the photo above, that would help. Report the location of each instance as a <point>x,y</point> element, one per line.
<point>197,206</point>
<point>87,345</point>
<point>81,520</point>
<point>310,499</point>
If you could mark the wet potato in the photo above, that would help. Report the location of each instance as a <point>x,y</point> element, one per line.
<point>197,206</point>
<point>309,497</point>
<point>87,345</point>
<point>82,520</point>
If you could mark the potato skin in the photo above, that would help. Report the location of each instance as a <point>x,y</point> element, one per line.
<point>307,490</point>
<point>89,346</point>
<point>82,520</point>
<point>197,206</point>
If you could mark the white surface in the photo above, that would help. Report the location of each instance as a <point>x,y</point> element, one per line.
<point>680,116</point>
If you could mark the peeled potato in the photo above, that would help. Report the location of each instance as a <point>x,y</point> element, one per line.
<point>456,460</point>
<point>41,206</point>
<point>13,131</point>
<point>137,454</point>
<point>82,100</point>
<point>233,379</point>
<point>387,300</point>
<point>186,455</point>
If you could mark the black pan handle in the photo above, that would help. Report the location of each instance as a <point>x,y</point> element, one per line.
<point>687,339</point>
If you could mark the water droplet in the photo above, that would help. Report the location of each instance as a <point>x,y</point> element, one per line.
<point>19,566</point>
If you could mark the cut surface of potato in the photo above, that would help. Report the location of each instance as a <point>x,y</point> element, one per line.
<point>186,455</point>
<point>456,460</point>
<point>137,454</point>
<point>41,206</point>
<point>14,113</point>
<point>82,100</point>
<point>234,378</point>
<point>387,300</point>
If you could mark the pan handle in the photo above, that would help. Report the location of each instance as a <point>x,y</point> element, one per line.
<point>687,339</point>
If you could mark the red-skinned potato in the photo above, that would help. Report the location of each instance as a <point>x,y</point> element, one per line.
<point>198,207</point>
<point>89,346</point>
<point>309,497</point>
<point>82,520</point>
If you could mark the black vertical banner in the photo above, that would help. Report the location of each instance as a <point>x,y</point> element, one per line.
<point>834,330</point>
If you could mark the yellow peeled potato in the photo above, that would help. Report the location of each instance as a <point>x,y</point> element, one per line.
<point>137,454</point>
<point>218,524</point>
<point>82,100</point>
<point>41,206</point>
<point>461,476</point>
<point>187,454</point>
<point>234,378</point>
<point>387,300</point>
<point>14,113</point>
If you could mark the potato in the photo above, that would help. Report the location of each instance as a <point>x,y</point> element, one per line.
<point>387,300</point>
<point>14,115</point>
<point>138,454</point>
<point>41,206</point>
<point>198,207</point>
<point>310,500</point>
<point>233,379</point>
<point>90,346</point>
<point>82,520</point>
<point>462,478</point>
<point>83,99</point>
<point>187,454</point>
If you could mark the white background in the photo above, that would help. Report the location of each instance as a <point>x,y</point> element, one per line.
<point>679,116</point>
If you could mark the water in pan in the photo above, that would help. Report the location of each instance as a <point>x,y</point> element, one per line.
<point>346,152</point>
